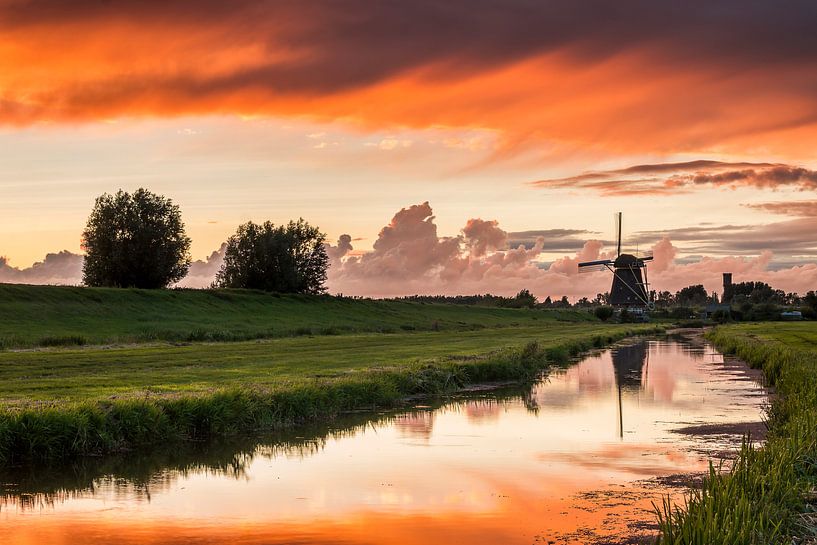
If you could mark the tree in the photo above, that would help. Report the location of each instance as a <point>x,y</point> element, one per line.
<point>284,259</point>
<point>692,296</point>
<point>603,313</point>
<point>564,302</point>
<point>810,300</point>
<point>601,299</point>
<point>135,241</point>
<point>523,299</point>
<point>754,292</point>
<point>664,299</point>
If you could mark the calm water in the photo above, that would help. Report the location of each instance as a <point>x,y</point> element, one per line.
<point>571,459</point>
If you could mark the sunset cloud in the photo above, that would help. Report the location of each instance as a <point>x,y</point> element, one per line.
<point>793,237</point>
<point>480,260</point>
<point>802,209</point>
<point>672,178</point>
<point>638,75</point>
<point>60,268</point>
<point>202,272</point>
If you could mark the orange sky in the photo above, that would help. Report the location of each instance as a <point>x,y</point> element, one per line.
<point>345,112</point>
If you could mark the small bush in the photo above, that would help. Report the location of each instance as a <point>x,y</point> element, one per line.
<point>603,313</point>
<point>63,340</point>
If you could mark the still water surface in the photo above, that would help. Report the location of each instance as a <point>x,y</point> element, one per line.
<point>577,458</point>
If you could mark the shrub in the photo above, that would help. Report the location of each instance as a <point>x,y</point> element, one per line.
<point>603,313</point>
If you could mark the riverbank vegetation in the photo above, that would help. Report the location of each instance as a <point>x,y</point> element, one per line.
<point>69,402</point>
<point>768,495</point>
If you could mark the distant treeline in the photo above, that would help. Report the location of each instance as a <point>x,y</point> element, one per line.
<point>741,292</point>
<point>750,301</point>
<point>523,299</point>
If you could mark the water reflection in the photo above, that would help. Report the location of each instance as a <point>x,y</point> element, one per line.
<point>629,363</point>
<point>552,461</point>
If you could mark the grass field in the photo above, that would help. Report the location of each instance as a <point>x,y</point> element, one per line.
<point>158,366</point>
<point>79,374</point>
<point>769,495</point>
<point>58,316</point>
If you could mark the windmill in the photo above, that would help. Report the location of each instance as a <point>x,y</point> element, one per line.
<point>630,288</point>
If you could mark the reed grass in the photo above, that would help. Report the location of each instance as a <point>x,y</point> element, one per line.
<point>102,426</point>
<point>763,498</point>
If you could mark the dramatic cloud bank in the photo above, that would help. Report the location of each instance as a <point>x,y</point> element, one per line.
<point>60,268</point>
<point>411,257</point>
<point>673,178</point>
<point>202,273</point>
<point>597,72</point>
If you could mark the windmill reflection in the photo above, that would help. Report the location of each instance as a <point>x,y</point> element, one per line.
<point>630,369</point>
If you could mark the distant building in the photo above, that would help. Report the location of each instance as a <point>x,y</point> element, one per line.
<point>791,315</point>
<point>727,288</point>
<point>712,308</point>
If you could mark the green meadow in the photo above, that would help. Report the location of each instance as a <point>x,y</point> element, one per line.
<point>94,371</point>
<point>135,371</point>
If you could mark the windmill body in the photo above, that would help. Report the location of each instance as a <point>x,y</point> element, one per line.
<point>630,288</point>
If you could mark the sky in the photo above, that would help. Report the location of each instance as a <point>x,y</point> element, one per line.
<point>444,147</point>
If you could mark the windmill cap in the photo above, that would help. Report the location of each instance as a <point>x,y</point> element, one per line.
<point>626,260</point>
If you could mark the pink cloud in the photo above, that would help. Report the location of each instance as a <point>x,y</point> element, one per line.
<point>61,268</point>
<point>478,262</point>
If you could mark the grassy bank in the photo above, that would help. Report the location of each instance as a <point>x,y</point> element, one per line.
<point>763,500</point>
<point>95,401</point>
<point>62,316</point>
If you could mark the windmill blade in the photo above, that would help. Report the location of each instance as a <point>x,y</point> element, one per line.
<point>592,268</point>
<point>602,262</point>
<point>618,233</point>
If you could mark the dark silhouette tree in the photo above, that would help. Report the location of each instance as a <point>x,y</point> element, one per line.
<point>692,296</point>
<point>603,313</point>
<point>135,241</point>
<point>754,292</point>
<point>284,259</point>
<point>523,299</point>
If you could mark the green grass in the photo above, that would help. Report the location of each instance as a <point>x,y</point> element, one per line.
<point>33,316</point>
<point>764,498</point>
<point>68,402</point>
<point>78,374</point>
<point>95,371</point>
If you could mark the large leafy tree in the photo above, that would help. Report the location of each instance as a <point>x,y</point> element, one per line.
<point>285,258</point>
<point>135,241</point>
<point>692,296</point>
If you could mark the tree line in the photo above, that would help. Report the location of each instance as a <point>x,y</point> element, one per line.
<point>138,241</point>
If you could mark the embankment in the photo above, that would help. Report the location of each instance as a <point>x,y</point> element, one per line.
<point>39,316</point>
